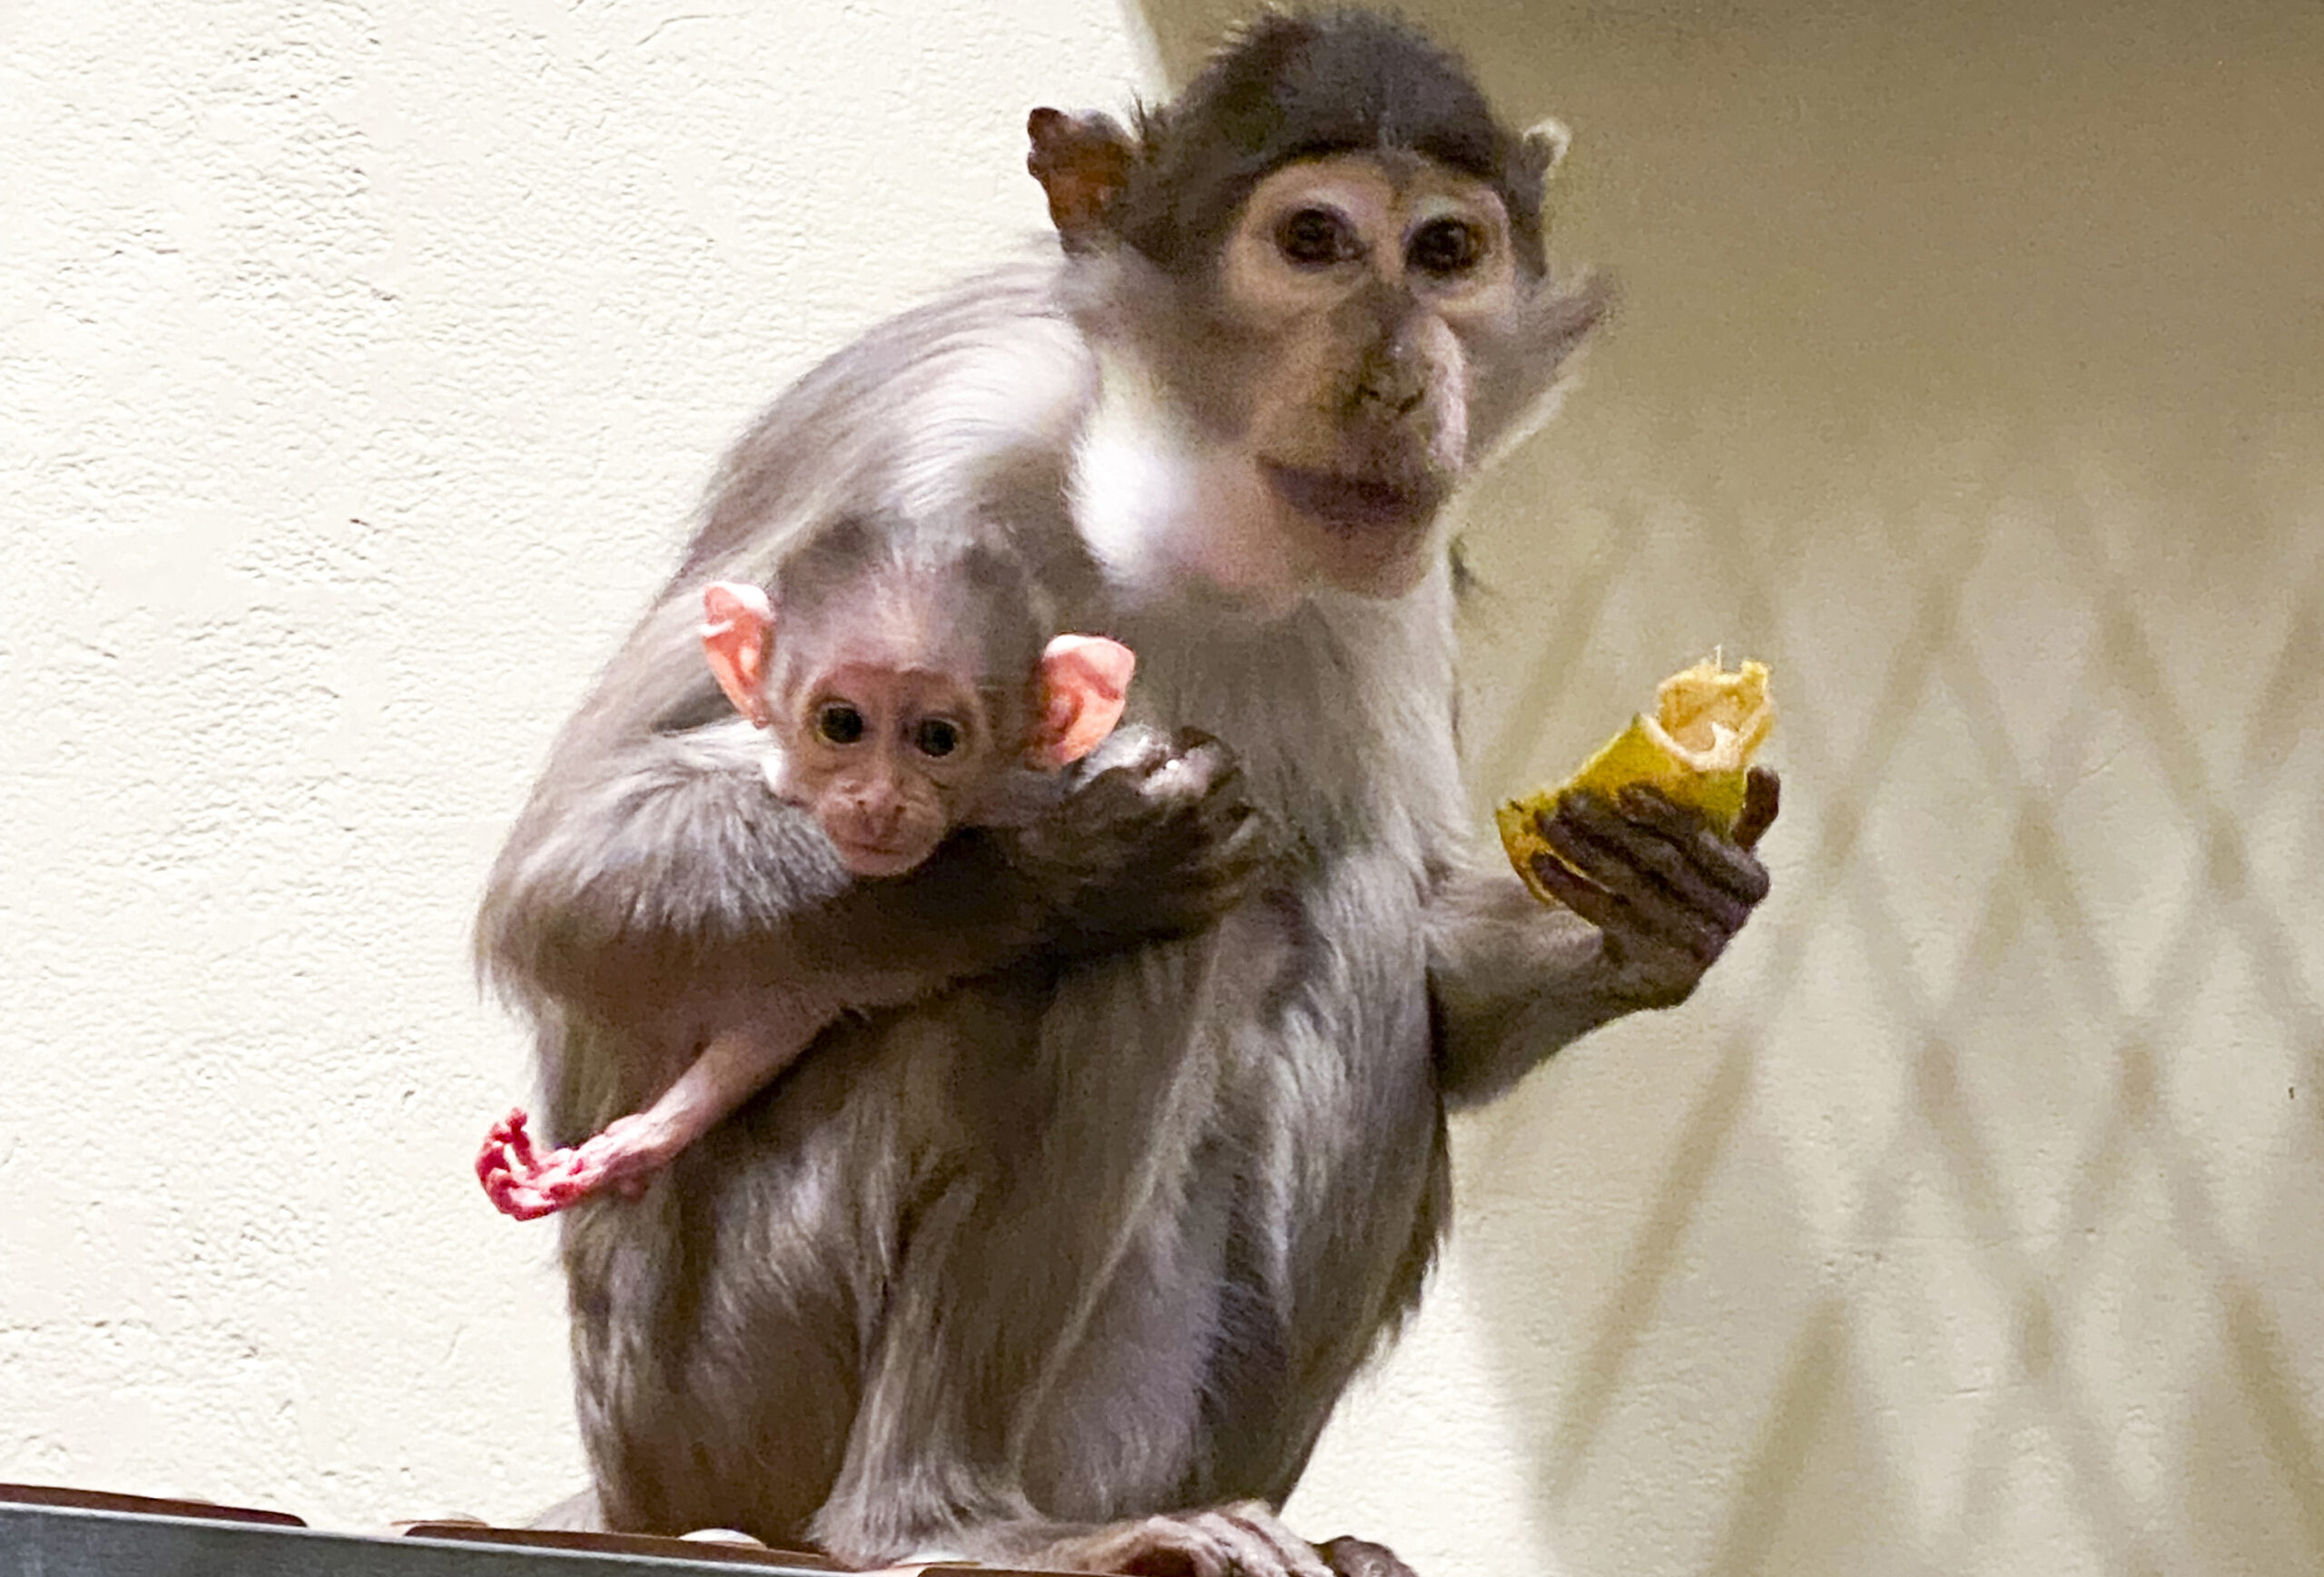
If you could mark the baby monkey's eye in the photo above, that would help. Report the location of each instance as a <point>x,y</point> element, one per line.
<point>937,736</point>
<point>840,723</point>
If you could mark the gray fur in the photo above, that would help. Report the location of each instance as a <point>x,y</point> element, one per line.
<point>1086,1240</point>
<point>1225,1153</point>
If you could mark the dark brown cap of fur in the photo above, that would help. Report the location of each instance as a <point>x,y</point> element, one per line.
<point>1299,86</point>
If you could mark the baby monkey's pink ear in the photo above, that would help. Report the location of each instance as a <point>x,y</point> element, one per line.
<point>738,627</point>
<point>1083,681</point>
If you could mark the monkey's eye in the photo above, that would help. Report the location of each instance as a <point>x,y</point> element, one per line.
<point>1315,238</point>
<point>1445,246</point>
<point>937,736</point>
<point>840,723</point>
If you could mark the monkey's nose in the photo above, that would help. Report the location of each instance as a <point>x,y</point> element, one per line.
<point>880,814</point>
<point>1393,393</point>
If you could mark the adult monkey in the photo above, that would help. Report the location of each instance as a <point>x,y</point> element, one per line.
<point>1070,1266</point>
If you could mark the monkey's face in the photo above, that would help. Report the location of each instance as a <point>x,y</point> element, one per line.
<point>1353,294</point>
<point>888,759</point>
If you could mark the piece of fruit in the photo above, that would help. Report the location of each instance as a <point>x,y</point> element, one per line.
<point>1696,748</point>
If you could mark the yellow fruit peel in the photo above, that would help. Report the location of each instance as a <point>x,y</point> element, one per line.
<point>1697,749</point>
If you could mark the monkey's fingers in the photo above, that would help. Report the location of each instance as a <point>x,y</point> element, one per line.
<point>1226,828</point>
<point>1129,751</point>
<point>1762,798</point>
<point>1203,760</point>
<point>1683,877</point>
<point>1362,1558</point>
<point>516,1199</point>
<point>1238,1541</point>
<point>1583,896</point>
<point>1655,897</point>
<point>1703,867</point>
<point>1254,1527</point>
<point>1160,842</point>
<point>508,1145</point>
<point>523,1183</point>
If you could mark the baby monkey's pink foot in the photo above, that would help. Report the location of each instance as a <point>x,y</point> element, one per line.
<point>507,1150</point>
<point>510,1169</point>
<point>527,1185</point>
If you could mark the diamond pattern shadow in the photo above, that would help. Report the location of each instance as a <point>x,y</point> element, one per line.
<point>2079,1118</point>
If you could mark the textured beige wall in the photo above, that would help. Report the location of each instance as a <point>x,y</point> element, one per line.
<point>1971,370</point>
<point>359,367</point>
<point>1971,1219</point>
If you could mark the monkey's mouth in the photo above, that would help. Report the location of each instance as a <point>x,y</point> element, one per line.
<point>1354,503</point>
<point>878,857</point>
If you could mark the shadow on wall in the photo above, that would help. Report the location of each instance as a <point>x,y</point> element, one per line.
<point>1969,371</point>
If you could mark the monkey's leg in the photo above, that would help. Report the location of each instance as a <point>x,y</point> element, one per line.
<point>714,1364</point>
<point>1037,1390</point>
<point>719,1323</point>
<point>736,1064</point>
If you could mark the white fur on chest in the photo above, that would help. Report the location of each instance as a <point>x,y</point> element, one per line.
<point>1162,508</point>
<point>1339,707</point>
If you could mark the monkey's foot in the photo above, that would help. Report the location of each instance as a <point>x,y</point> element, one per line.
<point>1242,1539</point>
<point>508,1165</point>
<point>527,1185</point>
<point>1361,1558</point>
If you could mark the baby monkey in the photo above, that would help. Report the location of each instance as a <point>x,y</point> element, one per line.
<point>903,678</point>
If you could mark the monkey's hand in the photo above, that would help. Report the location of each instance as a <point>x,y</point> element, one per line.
<point>1361,1558</point>
<point>1154,838</point>
<point>1665,888</point>
<point>1243,1540</point>
<point>524,1183</point>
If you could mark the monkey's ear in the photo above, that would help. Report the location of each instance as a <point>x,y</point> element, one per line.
<point>1083,681</point>
<point>1545,143</point>
<point>739,625</point>
<point>1082,161</point>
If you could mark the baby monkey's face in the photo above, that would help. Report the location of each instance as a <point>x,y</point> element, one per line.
<point>888,759</point>
<point>892,724</point>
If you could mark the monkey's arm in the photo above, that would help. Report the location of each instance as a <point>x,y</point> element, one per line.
<point>1653,897</point>
<point>669,875</point>
<point>737,1001</point>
